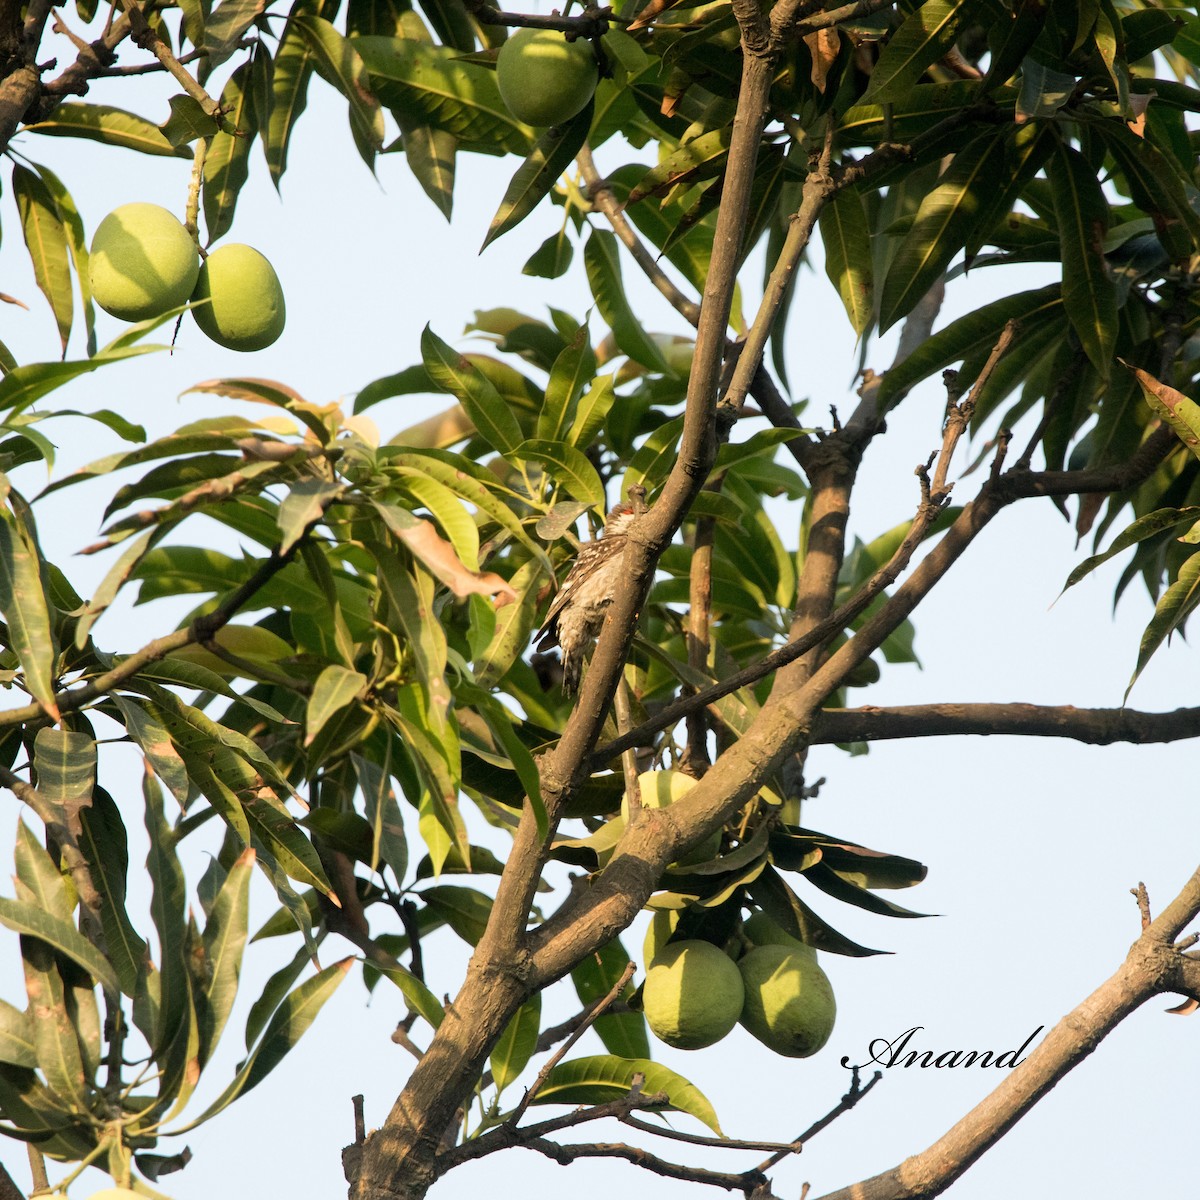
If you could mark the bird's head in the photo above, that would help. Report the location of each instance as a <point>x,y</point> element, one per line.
<point>620,517</point>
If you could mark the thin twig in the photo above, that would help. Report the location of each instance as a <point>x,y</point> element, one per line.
<point>847,1102</point>
<point>557,1056</point>
<point>698,1139</point>
<point>37,1167</point>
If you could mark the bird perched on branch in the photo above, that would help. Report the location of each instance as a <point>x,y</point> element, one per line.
<point>577,614</point>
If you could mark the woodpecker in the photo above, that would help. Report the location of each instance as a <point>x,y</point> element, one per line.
<point>577,614</point>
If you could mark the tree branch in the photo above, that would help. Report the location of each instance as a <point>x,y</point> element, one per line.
<point>1152,967</point>
<point>1092,726</point>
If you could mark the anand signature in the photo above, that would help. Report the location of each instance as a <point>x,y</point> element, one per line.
<point>895,1052</point>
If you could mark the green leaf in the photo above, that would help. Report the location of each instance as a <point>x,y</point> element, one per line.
<point>168,910</point>
<point>46,241</point>
<point>420,999</point>
<point>1043,90</point>
<point>567,466</point>
<point>289,95</point>
<point>431,154</point>
<point>455,374</point>
<point>36,870</point>
<point>224,29</point>
<point>602,262</point>
<point>572,370</point>
<point>188,121</point>
<point>517,1043</point>
<point>1089,294</point>
<point>113,126</point>
<point>66,768</point>
<point>552,259</point>
<point>303,506</point>
<point>383,813</point>
<point>622,1033</point>
<point>61,935</point>
<point>1161,521</point>
<point>924,37</point>
<point>973,334</point>
<point>592,411</point>
<point>846,237</point>
<point>59,1048</point>
<point>26,610</point>
<point>224,941</point>
<point>604,1077</point>
<point>16,1037</point>
<point>942,225</point>
<point>339,64</point>
<point>464,909</point>
<point>104,843</point>
<point>287,1026</point>
<point>334,688</point>
<point>227,165</point>
<point>77,245</point>
<point>433,85</point>
<point>514,624</point>
<point>552,154</point>
<point>1169,404</point>
<point>1172,609</point>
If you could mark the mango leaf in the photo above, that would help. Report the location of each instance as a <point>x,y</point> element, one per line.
<point>1043,90</point>
<point>339,64</point>
<point>224,941</point>
<point>227,164</point>
<point>1089,294</point>
<point>168,909</point>
<point>66,773</point>
<point>514,623</point>
<point>604,1077</point>
<point>552,154</point>
<point>455,374</point>
<point>772,893</point>
<point>1172,609</point>
<point>567,466</point>
<point>223,29</point>
<point>431,155</point>
<point>464,909</point>
<point>969,335</point>
<point>517,1043</point>
<point>847,241</point>
<point>42,884</point>
<point>623,1034</point>
<point>61,935</point>
<point>59,1049</point>
<point>16,1037</point>
<point>26,610</point>
<point>603,265</point>
<point>289,95</point>
<point>1169,404</point>
<point>104,843</point>
<point>112,126</point>
<point>77,245</point>
<point>383,813</point>
<point>552,259</point>
<point>574,368</point>
<point>333,689</point>
<point>287,1026</point>
<point>942,225</point>
<point>924,37</point>
<point>433,85</point>
<point>46,241</point>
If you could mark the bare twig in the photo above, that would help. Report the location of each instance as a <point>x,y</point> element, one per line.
<point>602,197</point>
<point>37,1167</point>
<point>557,1056</point>
<point>719,1143</point>
<point>622,705</point>
<point>148,39</point>
<point>1092,726</point>
<point>853,1095</point>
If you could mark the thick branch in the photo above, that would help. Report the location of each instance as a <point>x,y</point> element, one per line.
<point>1093,726</point>
<point>1152,967</point>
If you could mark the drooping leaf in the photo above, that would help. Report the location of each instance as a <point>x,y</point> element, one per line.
<point>227,165</point>
<point>455,374</point>
<point>926,35</point>
<point>1089,294</point>
<point>1173,608</point>
<point>623,1034</point>
<point>112,126</point>
<point>25,608</point>
<point>287,1026</point>
<point>333,689</point>
<point>551,155</point>
<point>604,1077</point>
<point>846,238</point>
<point>46,241</point>
<point>601,259</point>
<point>517,1043</point>
<point>61,935</point>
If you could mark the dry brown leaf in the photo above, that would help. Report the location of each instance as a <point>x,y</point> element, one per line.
<point>439,556</point>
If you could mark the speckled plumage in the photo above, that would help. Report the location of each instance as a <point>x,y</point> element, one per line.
<point>577,614</point>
